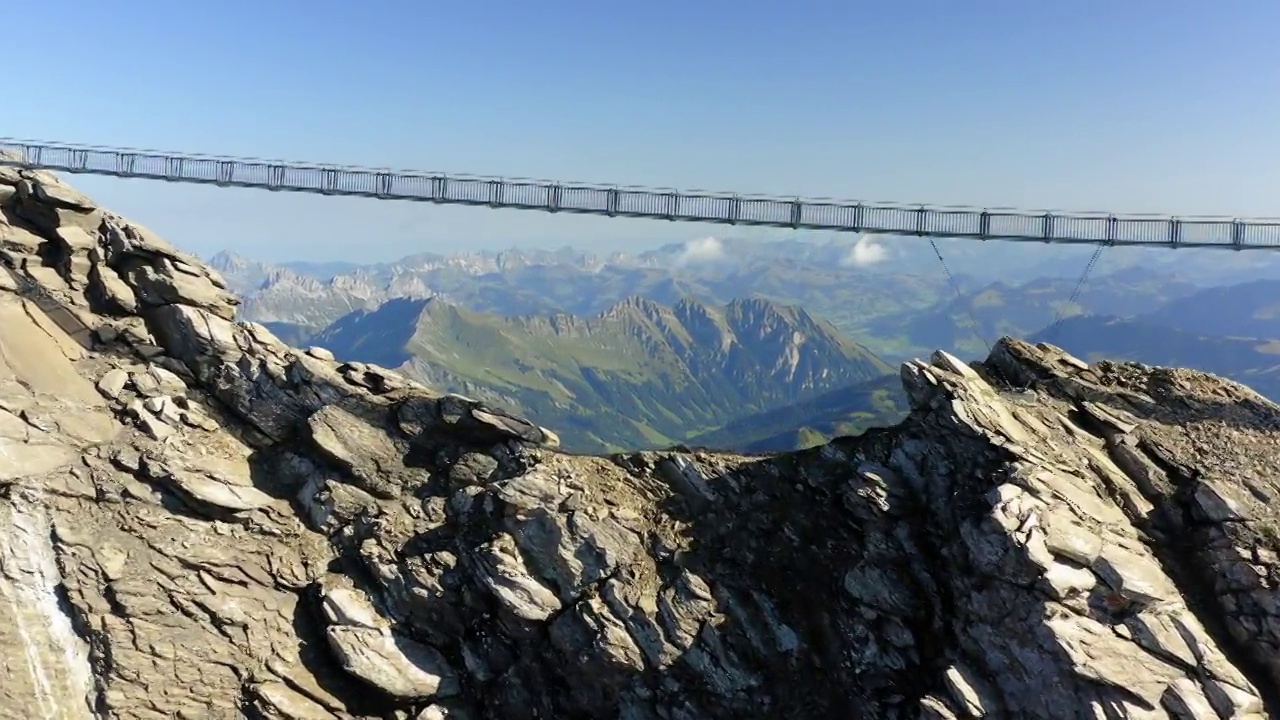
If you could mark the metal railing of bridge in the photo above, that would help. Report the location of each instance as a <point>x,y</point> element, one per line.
<point>653,203</point>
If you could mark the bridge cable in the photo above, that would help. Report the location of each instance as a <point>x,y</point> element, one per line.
<point>968,307</point>
<point>1061,314</point>
<point>977,329</point>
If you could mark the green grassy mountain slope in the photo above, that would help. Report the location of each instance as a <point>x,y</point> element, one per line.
<point>639,374</point>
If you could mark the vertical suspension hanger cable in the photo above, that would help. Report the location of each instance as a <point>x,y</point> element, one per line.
<point>977,329</point>
<point>968,307</point>
<point>1061,315</point>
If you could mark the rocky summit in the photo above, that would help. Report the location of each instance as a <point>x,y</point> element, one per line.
<point>198,521</point>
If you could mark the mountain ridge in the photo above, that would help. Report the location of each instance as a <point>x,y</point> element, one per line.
<point>889,331</point>
<point>898,308</point>
<point>648,374</point>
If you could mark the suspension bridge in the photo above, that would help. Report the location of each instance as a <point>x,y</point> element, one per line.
<point>1096,228</point>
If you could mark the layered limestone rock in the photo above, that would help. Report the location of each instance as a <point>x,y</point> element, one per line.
<point>197,521</point>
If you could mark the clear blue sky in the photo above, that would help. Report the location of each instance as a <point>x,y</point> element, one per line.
<point>1128,105</point>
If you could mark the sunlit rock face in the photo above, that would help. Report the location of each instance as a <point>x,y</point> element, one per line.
<point>197,521</point>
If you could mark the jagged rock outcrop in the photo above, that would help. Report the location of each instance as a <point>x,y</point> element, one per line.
<point>197,521</point>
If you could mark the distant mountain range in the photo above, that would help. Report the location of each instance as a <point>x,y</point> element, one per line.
<point>1254,362</point>
<point>897,309</point>
<point>542,282</point>
<point>1018,310</point>
<point>1250,309</point>
<point>705,343</point>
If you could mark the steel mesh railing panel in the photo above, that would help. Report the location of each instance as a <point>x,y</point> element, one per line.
<point>821,214</point>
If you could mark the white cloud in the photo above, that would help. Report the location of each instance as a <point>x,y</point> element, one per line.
<point>867,251</point>
<point>701,250</point>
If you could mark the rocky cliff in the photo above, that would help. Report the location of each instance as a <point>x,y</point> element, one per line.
<point>197,521</point>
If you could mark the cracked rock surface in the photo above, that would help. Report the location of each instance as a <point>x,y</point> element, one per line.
<point>197,521</point>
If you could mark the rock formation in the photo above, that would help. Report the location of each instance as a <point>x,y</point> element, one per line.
<point>197,521</point>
